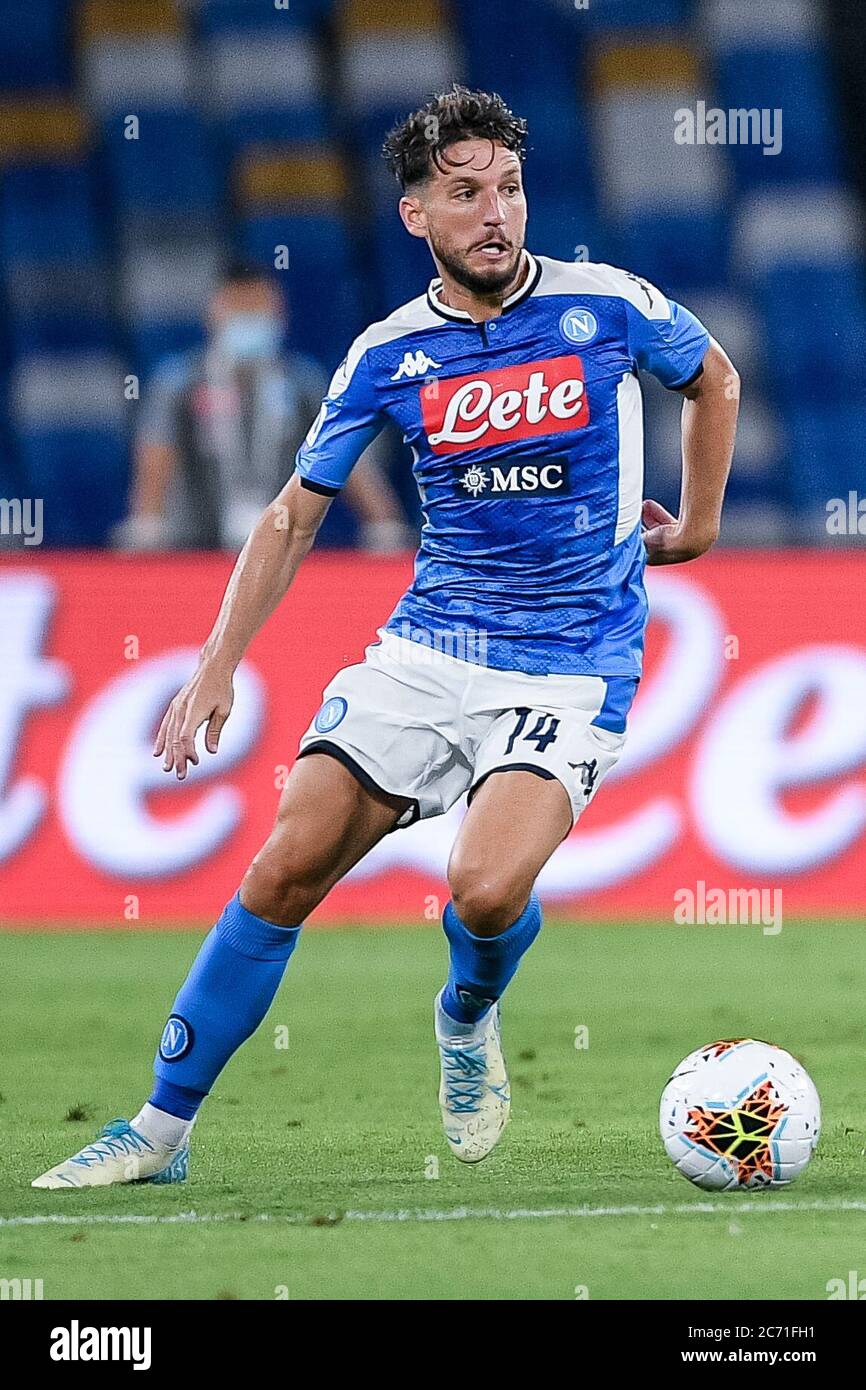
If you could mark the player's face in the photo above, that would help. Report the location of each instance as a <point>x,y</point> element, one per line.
<point>473,213</point>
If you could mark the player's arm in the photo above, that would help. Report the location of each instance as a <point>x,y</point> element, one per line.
<point>269,561</point>
<point>670,342</point>
<point>709,425</point>
<point>265,568</point>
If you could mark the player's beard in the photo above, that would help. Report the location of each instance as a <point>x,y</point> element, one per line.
<point>483,283</point>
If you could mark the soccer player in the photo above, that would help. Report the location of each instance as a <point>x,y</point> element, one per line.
<point>507,669</point>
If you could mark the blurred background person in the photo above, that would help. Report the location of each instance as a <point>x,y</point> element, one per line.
<point>220,426</point>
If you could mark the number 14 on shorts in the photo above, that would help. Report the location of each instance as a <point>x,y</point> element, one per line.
<point>542,734</point>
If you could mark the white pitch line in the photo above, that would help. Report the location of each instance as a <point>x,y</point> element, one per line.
<point>730,1207</point>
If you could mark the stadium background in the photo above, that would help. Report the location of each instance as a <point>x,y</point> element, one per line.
<point>258,127</point>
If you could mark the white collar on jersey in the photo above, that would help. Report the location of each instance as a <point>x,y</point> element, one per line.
<point>434,290</point>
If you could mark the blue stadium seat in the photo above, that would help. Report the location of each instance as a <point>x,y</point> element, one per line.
<point>81,475</point>
<point>678,248</point>
<point>321,280</point>
<point>169,168</point>
<point>152,340</point>
<point>826,451</point>
<point>50,250</point>
<point>815,317</point>
<point>265,126</point>
<point>403,265</point>
<point>219,16</point>
<point>637,14</point>
<point>48,210</point>
<point>560,225</point>
<point>528,46</point>
<point>61,328</point>
<point>33,49</point>
<point>266,86</point>
<point>791,80</point>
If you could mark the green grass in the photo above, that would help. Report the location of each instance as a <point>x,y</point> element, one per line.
<point>345,1120</point>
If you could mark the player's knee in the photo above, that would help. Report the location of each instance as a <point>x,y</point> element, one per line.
<point>487,902</point>
<point>287,878</point>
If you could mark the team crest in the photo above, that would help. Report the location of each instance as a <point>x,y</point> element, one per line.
<point>176,1040</point>
<point>331,714</point>
<point>578,326</point>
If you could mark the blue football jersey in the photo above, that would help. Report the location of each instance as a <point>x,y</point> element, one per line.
<point>526,435</point>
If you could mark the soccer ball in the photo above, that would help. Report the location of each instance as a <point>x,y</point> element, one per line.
<point>740,1113</point>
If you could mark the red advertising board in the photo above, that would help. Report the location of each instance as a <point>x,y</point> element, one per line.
<point>746,763</point>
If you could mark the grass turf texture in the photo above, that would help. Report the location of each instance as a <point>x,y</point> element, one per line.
<point>345,1120</point>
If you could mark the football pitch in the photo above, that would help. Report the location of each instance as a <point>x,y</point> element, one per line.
<point>319,1170</point>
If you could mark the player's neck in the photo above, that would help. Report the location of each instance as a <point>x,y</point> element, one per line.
<point>481,307</point>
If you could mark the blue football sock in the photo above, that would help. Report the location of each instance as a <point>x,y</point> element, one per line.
<point>482,966</point>
<point>223,1000</point>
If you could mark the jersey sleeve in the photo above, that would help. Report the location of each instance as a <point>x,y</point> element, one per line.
<point>664,338</point>
<point>347,421</point>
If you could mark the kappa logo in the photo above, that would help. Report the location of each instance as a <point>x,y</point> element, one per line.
<point>588,773</point>
<point>415,364</point>
<point>639,280</point>
<point>473,1000</point>
<point>524,401</point>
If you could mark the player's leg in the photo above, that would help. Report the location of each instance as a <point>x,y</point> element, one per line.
<point>535,772</point>
<point>514,823</point>
<point>326,823</point>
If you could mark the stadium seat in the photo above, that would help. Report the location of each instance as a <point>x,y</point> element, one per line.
<point>295,199</point>
<point>48,209</point>
<point>392,56</point>
<point>769,58</point>
<point>633,14</point>
<point>265,87</point>
<point>33,49</point>
<point>43,127</point>
<point>220,16</point>
<point>71,421</point>
<point>320,280</point>
<point>165,288</point>
<point>665,201</point>
<point>800,251</point>
<point>51,251</point>
<point>167,170</point>
<point>826,455</point>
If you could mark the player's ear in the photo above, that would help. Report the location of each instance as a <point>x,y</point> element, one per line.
<point>413,216</point>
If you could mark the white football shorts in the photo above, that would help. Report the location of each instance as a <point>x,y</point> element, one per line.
<point>417,723</point>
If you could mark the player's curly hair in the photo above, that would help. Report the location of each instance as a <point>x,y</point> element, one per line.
<point>416,146</point>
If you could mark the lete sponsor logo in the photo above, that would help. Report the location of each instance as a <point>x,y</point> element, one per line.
<point>735,770</point>
<point>524,401</point>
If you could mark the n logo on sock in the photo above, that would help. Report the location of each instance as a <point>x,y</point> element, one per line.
<point>177,1039</point>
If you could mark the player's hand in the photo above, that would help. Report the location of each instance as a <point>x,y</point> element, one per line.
<point>666,539</point>
<point>206,698</point>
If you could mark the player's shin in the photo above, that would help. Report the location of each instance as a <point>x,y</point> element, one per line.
<point>482,966</point>
<point>227,993</point>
